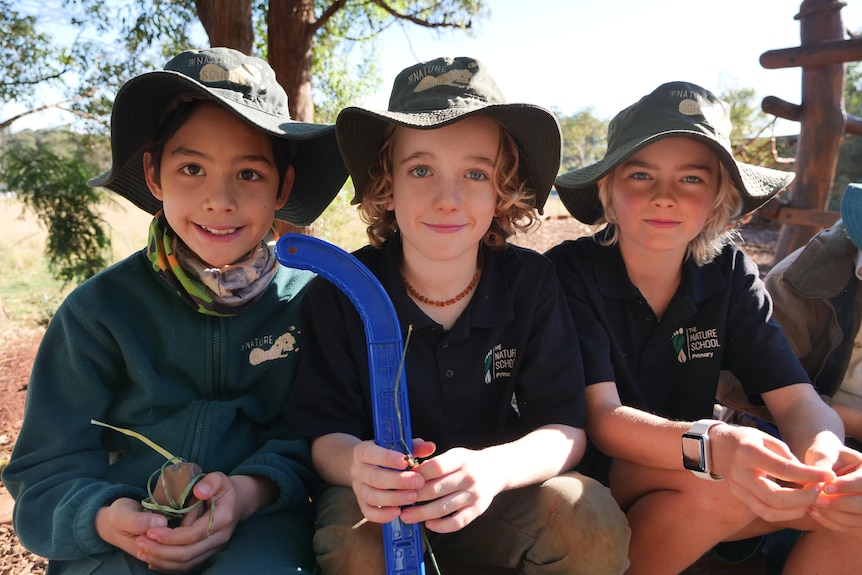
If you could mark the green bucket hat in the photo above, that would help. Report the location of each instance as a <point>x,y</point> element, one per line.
<point>439,92</point>
<point>244,85</point>
<point>673,109</point>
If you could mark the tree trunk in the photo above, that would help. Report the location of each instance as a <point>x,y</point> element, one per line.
<point>227,23</point>
<point>291,29</point>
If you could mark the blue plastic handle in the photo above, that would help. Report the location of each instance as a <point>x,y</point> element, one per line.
<point>390,407</point>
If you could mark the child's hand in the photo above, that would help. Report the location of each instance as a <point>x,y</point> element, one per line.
<point>764,474</point>
<point>459,486</point>
<point>124,522</point>
<point>839,505</point>
<point>383,479</point>
<point>200,534</point>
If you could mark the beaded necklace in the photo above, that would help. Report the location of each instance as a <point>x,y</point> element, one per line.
<point>443,303</point>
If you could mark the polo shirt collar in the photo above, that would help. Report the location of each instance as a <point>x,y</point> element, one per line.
<point>699,283</point>
<point>611,275</point>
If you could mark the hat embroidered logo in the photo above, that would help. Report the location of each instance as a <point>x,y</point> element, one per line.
<point>244,75</point>
<point>454,78</point>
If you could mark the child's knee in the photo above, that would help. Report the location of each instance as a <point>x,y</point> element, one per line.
<point>589,523</point>
<point>340,544</point>
<point>342,549</point>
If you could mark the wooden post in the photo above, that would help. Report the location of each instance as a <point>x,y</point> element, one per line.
<point>822,122</point>
<point>821,114</point>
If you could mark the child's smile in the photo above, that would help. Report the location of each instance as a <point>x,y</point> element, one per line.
<point>219,195</point>
<point>664,193</point>
<point>444,194</point>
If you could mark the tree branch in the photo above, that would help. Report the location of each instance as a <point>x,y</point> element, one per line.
<point>37,80</point>
<point>59,105</point>
<point>415,20</point>
<point>329,13</point>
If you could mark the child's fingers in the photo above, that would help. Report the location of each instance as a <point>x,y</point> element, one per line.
<point>423,449</point>
<point>377,514</point>
<point>834,520</point>
<point>773,502</point>
<point>381,499</point>
<point>369,453</point>
<point>777,461</point>
<point>839,506</point>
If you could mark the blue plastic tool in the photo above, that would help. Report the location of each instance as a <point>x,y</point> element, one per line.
<point>390,407</point>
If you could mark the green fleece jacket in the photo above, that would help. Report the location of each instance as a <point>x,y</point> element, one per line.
<point>124,349</point>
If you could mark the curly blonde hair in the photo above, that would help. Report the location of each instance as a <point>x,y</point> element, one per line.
<point>718,231</point>
<point>515,210</point>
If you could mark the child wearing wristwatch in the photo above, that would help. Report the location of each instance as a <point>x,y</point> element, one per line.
<point>663,302</point>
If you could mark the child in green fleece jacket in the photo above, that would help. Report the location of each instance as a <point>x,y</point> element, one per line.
<point>192,342</point>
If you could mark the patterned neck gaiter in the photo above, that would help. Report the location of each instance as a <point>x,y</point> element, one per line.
<point>224,291</point>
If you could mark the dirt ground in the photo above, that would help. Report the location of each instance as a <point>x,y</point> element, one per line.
<point>18,348</point>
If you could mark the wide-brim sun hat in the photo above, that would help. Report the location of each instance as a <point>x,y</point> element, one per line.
<point>851,213</point>
<point>442,91</point>
<point>673,109</point>
<point>244,85</point>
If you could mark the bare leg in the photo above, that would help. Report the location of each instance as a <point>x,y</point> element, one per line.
<point>675,517</point>
<point>827,552</point>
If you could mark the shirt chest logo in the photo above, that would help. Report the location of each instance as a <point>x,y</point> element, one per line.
<point>690,343</point>
<point>270,347</point>
<point>499,362</point>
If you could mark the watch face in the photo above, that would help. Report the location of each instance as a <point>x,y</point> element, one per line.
<point>693,456</point>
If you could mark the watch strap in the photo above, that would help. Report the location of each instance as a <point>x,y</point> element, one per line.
<point>701,429</point>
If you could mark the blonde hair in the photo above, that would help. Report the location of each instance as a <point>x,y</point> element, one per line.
<point>718,231</point>
<point>515,210</point>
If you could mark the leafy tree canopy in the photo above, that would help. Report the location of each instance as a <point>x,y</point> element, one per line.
<point>76,59</point>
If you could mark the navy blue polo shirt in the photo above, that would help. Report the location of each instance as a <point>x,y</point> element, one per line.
<point>720,318</point>
<point>515,339</point>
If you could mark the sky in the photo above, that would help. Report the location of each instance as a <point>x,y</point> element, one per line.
<point>603,55</point>
<point>572,55</point>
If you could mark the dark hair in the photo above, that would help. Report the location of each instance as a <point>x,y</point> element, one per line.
<point>283,150</point>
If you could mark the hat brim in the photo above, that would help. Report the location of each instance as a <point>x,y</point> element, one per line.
<point>536,132</point>
<point>579,192</point>
<point>144,101</point>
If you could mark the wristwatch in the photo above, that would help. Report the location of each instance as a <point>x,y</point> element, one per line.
<point>696,452</point>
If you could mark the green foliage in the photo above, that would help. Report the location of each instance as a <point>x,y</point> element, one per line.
<point>344,68</point>
<point>24,53</point>
<point>69,145</point>
<point>752,138</point>
<point>56,190</point>
<point>156,29</point>
<point>853,89</point>
<point>584,139</point>
<point>340,223</point>
<point>341,78</point>
<point>849,168</point>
